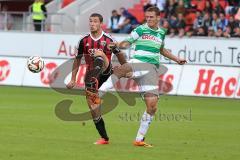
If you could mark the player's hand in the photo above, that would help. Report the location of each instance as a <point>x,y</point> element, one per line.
<point>98,53</point>
<point>181,61</point>
<point>71,84</point>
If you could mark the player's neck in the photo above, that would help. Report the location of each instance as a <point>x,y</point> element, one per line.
<point>96,34</point>
<point>154,27</point>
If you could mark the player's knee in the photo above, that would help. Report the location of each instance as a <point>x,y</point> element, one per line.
<point>151,110</point>
<point>91,84</point>
<point>99,64</point>
<point>151,102</point>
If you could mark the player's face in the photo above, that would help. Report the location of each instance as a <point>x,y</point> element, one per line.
<point>94,24</point>
<point>152,19</point>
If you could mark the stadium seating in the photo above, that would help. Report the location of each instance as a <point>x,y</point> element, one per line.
<point>66,2</point>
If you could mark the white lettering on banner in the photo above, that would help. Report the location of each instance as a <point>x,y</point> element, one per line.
<point>4,69</point>
<point>46,75</point>
<point>67,50</point>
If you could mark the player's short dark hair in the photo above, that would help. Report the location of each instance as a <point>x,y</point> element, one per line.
<point>153,9</point>
<point>114,11</point>
<point>100,17</point>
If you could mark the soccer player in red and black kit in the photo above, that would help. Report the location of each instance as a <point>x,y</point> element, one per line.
<point>97,51</point>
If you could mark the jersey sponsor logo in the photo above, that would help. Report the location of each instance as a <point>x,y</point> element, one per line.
<point>4,70</point>
<point>150,37</point>
<point>46,75</point>
<point>91,51</point>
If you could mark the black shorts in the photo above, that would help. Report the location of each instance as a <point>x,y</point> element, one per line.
<point>105,75</point>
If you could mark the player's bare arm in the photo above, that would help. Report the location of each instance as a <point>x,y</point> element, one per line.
<point>124,45</point>
<point>121,45</point>
<point>113,46</point>
<point>76,64</point>
<point>169,55</point>
<point>121,58</point>
<point>124,70</point>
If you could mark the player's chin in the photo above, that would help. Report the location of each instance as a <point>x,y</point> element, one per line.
<point>150,24</point>
<point>92,29</point>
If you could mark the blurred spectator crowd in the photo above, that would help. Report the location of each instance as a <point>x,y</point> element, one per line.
<point>218,18</point>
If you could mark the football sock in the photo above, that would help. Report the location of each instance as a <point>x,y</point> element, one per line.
<point>100,126</point>
<point>144,125</point>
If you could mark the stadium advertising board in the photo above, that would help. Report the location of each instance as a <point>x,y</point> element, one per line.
<point>209,81</point>
<point>209,51</point>
<point>237,92</point>
<point>206,51</point>
<point>191,80</point>
<point>169,81</point>
<point>21,44</point>
<point>60,46</point>
<point>12,70</point>
<point>45,77</point>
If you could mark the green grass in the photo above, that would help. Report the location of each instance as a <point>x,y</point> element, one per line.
<point>30,130</point>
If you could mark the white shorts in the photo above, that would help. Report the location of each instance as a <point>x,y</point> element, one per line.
<point>146,75</point>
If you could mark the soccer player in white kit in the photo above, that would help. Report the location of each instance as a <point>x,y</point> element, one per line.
<point>143,66</point>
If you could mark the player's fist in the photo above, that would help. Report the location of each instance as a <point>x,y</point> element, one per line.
<point>71,84</point>
<point>181,61</point>
<point>113,47</point>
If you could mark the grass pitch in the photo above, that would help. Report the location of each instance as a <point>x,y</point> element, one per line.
<point>185,128</point>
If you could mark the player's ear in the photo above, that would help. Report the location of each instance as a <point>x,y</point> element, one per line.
<point>158,17</point>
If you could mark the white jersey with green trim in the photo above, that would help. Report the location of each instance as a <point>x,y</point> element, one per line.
<point>147,43</point>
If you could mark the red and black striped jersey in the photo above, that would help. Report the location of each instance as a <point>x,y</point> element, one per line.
<point>87,43</point>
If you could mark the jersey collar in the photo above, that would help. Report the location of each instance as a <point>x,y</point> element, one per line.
<point>96,39</point>
<point>152,29</point>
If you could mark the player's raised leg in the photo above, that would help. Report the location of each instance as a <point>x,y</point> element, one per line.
<point>93,100</point>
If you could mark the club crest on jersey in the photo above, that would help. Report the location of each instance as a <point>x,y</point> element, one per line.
<point>103,43</point>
